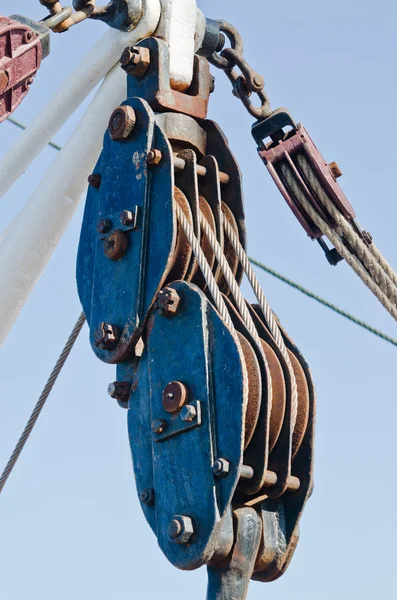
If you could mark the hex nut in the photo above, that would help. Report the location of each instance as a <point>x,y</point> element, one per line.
<point>120,391</point>
<point>122,123</point>
<point>335,170</point>
<point>107,336</point>
<point>104,225</point>
<point>154,158</point>
<point>181,529</point>
<point>167,302</point>
<point>136,61</point>
<point>127,217</point>
<point>188,413</point>
<point>221,468</point>
<point>174,397</point>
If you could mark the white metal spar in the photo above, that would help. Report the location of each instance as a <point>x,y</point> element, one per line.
<point>31,238</point>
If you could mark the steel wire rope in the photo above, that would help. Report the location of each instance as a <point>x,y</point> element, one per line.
<point>380,270</point>
<point>336,241</point>
<point>41,402</point>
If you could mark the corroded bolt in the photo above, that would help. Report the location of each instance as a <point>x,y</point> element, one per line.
<point>147,497</point>
<point>188,413</point>
<point>127,217</point>
<point>367,237</point>
<point>212,84</point>
<point>154,158</point>
<point>115,245</point>
<point>335,170</point>
<point>4,81</point>
<point>167,302</point>
<point>259,82</point>
<point>181,529</point>
<point>174,397</point>
<point>94,180</point>
<point>122,123</point>
<point>159,426</point>
<point>221,468</point>
<point>106,336</point>
<point>28,37</point>
<point>103,225</point>
<point>136,61</point>
<point>28,83</point>
<point>120,390</point>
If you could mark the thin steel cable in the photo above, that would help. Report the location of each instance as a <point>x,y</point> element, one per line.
<point>375,263</point>
<point>323,302</point>
<point>205,267</point>
<point>23,127</point>
<point>336,241</point>
<point>41,402</point>
<point>264,304</point>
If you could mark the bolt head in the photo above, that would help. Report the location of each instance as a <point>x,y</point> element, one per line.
<point>154,157</point>
<point>212,84</point>
<point>115,245</point>
<point>147,497</point>
<point>259,82</point>
<point>127,217</point>
<point>174,397</point>
<point>159,426</point>
<point>120,390</point>
<point>221,468</point>
<point>136,61</point>
<point>94,180</point>
<point>28,37</point>
<point>188,413</point>
<point>335,170</point>
<point>181,529</point>
<point>122,123</point>
<point>167,302</point>
<point>103,226</point>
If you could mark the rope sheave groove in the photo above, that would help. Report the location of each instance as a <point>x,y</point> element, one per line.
<point>42,400</point>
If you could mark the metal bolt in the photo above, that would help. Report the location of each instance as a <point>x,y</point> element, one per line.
<point>181,529</point>
<point>120,390</point>
<point>4,81</point>
<point>122,123</point>
<point>136,61</point>
<point>28,37</point>
<point>335,170</point>
<point>212,84</point>
<point>259,82</point>
<point>94,180</point>
<point>167,302</point>
<point>127,217</point>
<point>188,413</point>
<point>107,336</point>
<point>147,497</point>
<point>28,83</point>
<point>221,468</point>
<point>104,225</point>
<point>159,426</point>
<point>174,397</point>
<point>116,245</point>
<point>367,237</point>
<point>154,157</point>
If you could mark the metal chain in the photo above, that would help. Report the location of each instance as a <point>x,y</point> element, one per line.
<point>247,81</point>
<point>41,402</point>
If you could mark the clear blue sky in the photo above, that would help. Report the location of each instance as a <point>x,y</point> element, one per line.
<point>70,522</point>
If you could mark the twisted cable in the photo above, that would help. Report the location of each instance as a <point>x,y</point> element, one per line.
<point>41,402</point>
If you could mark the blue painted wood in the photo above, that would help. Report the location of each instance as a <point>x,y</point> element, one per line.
<point>196,349</point>
<point>121,292</point>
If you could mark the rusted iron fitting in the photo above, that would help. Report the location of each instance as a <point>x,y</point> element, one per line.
<point>136,61</point>
<point>167,302</point>
<point>107,336</point>
<point>122,123</point>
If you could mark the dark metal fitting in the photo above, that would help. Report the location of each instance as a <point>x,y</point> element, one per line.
<point>94,180</point>
<point>127,217</point>
<point>167,302</point>
<point>122,123</point>
<point>154,157</point>
<point>247,473</point>
<point>335,170</point>
<point>175,396</point>
<point>214,40</point>
<point>116,245</point>
<point>120,390</point>
<point>367,237</point>
<point>107,336</point>
<point>159,426</point>
<point>104,225</point>
<point>147,497</point>
<point>136,61</point>
<point>28,37</point>
<point>212,84</point>
<point>188,413</point>
<point>181,529</point>
<point>221,468</point>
